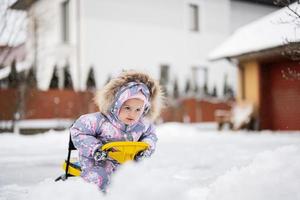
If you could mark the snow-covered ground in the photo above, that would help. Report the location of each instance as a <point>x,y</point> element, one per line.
<point>191,162</point>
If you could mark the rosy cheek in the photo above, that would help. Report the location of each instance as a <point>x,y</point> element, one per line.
<point>122,115</point>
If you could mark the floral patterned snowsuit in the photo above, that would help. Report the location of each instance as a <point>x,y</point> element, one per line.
<point>91,131</point>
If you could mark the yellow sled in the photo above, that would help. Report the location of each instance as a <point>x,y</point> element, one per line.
<point>124,151</point>
<point>119,151</point>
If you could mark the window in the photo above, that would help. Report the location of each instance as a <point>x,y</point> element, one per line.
<point>65,21</point>
<point>193,17</point>
<point>164,74</point>
<point>164,78</point>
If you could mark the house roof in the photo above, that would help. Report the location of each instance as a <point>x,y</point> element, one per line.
<point>22,4</point>
<point>9,54</point>
<point>273,30</point>
<point>267,2</point>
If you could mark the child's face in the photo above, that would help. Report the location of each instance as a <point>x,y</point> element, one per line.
<point>131,111</point>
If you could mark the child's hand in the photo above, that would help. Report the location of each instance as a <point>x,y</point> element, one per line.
<point>100,155</point>
<point>142,155</point>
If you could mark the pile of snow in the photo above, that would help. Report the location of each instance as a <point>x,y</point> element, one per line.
<point>241,115</point>
<point>271,175</point>
<point>191,162</point>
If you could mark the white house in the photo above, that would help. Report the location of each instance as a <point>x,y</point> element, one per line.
<point>149,35</point>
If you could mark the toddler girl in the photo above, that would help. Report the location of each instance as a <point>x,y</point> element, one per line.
<point>128,104</point>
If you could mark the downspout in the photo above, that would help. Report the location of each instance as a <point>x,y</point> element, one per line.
<point>78,44</point>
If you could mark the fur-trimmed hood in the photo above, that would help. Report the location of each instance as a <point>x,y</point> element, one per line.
<point>105,98</point>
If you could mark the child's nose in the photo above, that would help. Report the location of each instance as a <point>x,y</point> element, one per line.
<point>131,114</point>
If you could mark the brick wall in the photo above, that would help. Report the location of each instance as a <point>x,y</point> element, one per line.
<point>46,104</point>
<point>70,104</point>
<point>193,110</point>
<point>8,103</point>
<point>58,104</point>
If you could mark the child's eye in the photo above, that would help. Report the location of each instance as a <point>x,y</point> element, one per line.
<point>138,109</point>
<point>127,108</point>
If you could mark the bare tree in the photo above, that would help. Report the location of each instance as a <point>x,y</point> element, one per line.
<point>12,30</point>
<point>12,35</point>
<point>291,49</point>
<point>294,12</point>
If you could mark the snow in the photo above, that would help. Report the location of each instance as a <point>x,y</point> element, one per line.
<point>191,162</point>
<point>44,123</point>
<point>4,72</point>
<point>270,31</point>
<point>36,124</point>
<point>21,66</point>
<point>241,114</point>
<point>12,23</point>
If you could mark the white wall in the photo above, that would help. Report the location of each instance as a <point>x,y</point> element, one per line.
<point>139,34</point>
<point>144,34</point>
<point>244,12</point>
<point>50,49</point>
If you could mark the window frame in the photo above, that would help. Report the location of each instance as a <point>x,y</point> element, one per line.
<point>194,17</point>
<point>65,21</point>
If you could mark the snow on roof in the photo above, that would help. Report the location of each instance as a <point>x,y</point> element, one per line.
<point>4,72</point>
<point>273,30</point>
<point>21,66</point>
